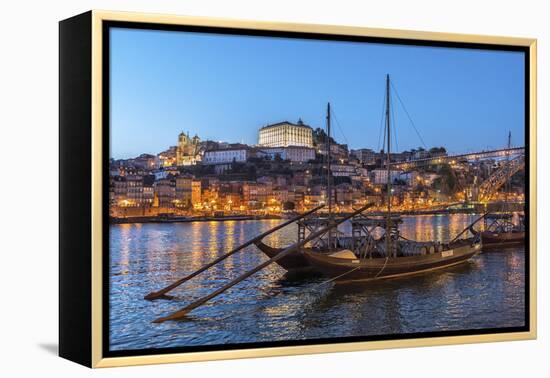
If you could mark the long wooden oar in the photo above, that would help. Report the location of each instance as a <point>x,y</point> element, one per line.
<point>467,228</point>
<point>162,293</point>
<point>184,311</point>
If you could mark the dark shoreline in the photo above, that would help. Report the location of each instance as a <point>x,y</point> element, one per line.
<point>494,207</point>
<point>156,219</point>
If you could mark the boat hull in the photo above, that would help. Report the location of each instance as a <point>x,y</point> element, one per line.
<point>349,270</point>
<point>293,261</point>
<point>492,240</point>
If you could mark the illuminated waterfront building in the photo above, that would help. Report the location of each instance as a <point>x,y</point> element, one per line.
<point>285,134</point>
<point>184,190</point>
<point>148,189</point>
<point>119,189</point>
<point>188,191</point>
<point>165,191</point>
<point>256,194</point>
<point>134,190</point>
<point>196,195</point>
<point>128,191</point>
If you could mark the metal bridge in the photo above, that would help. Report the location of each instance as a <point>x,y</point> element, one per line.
<point>495,181</point>
<point>492,154</point>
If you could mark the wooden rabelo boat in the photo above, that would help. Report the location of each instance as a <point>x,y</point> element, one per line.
<point>402,258</point>
<point>501,232</point>
<point>390,255</point>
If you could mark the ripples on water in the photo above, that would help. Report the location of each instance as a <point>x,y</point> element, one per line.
<point>486,292</point>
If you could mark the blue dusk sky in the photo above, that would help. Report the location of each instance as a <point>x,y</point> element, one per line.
<point>225,88</point>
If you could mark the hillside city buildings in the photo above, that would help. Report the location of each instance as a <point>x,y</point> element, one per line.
<point>285,171</point>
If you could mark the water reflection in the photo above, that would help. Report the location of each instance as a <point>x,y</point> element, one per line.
<point>486,292</point>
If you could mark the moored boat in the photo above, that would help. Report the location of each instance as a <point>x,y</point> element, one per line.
<point>492,240</point>
<point>501,232</point>
<point>391,255</point>
<point>347,267</point>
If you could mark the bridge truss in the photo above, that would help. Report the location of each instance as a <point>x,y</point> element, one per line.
<point>515,161</point>
<point>492,154</point>
<point>498,178</point>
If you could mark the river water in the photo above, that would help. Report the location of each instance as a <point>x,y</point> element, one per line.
<point>486,292</point>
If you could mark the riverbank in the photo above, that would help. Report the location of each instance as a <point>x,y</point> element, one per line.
<point>184,219</point>
<point>474,209</point>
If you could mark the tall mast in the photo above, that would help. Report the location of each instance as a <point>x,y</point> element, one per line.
<point>329,190</point>
<point>388,180</point>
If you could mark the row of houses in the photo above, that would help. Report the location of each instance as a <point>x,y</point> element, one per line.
<point>267,193</point>
<point>168,186</point>
<point>144,190</point>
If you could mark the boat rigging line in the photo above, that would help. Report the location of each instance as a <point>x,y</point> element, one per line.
<point>338,124</point>
<point>408,115</point>
<point>382,129</point>
<point>394,120</point>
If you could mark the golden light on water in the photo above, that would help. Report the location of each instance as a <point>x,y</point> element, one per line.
<point>272,305</point>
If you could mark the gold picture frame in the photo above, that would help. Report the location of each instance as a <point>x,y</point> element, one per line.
<point>94,22</point>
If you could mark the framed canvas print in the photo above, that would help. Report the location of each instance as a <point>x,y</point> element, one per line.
<point>234,189</point>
